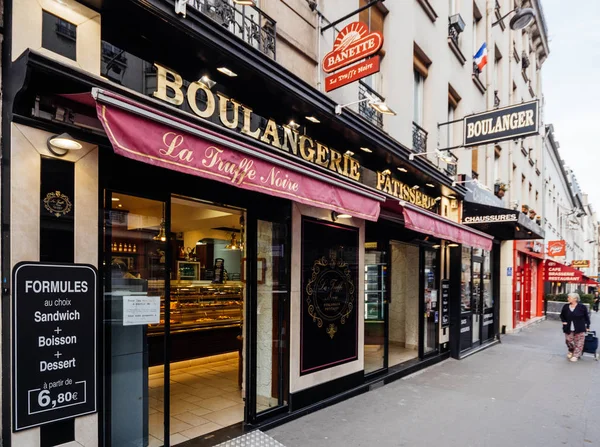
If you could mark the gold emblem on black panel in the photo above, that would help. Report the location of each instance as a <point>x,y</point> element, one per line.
<point>330,293</point>
<point>58,203</point>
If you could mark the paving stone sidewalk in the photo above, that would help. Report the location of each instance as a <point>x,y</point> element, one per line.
<point>522,392</point>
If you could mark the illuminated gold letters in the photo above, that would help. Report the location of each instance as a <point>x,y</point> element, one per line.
<point>192,98</point>
<point>396,188</point>
<point>169,88</point>
<point>163,83</point>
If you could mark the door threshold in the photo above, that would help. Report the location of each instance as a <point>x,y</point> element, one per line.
<point>479,348</point>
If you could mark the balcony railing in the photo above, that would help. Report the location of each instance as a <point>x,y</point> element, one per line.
<point>419,138</point>
<point>453,34</point>
<point>364,109</point>
<point>249,23</point>
<point>496,99</point>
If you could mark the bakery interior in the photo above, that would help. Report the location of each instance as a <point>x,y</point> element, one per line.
<point>207,292</point>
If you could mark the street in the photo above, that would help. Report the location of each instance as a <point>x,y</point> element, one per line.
<point>522,392</point>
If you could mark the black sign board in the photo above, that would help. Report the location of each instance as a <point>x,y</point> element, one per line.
<point>474,213</point>
<point>466,337</point>
<point>508,123</point>
<point>219,271</point>
<point>54,342</point>
<point>445,303</point>
<point>329,327</point>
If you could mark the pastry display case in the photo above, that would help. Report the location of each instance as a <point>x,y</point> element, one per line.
<point>204,306</point>
<point>206,319</point>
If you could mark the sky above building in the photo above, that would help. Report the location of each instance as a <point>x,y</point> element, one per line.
<point>571,85</point>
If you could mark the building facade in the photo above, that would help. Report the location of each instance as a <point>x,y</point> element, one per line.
<point>197,236</point>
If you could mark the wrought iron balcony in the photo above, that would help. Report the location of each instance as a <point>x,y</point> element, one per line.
<point>419,138</point>
<point>364,109</point>
<point>496,99</point>
<point>249,23</point>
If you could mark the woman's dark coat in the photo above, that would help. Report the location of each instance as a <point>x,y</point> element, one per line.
<point>579,316</point>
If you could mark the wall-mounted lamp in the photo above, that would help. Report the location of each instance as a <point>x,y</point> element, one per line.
<point>335,216</point>
<point>442,155</point>
<point>375,103</point>
<point>60,145</point>
<point>523,18</point>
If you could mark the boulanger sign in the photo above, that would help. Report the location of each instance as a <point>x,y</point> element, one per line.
<point>353,43</point>
<point>497,125</point>
<point>54,342</point>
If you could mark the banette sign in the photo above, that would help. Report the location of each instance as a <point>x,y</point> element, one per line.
<point>353,43</point>
<point>510,122</point>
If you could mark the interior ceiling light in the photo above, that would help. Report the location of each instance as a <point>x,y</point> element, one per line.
<point>207,82</point>
<point>431,185</point>
<point>201,242</point>
<point>61,144</point>
<point>349,153</point>
<point>162,235</point>
<point>294,125</point>
<point>120,206</point>
<point>366,149</point>
<point>401,169</point>
<point>115,199</point>
<point>313,119</point>
<point>227,72</point>
<point>233,244</point>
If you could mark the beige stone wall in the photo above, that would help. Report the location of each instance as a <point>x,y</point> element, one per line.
<point>297,382</point>
<point>296,36</point>
<point>404,299</point>
<point>28,145</point>
<point>27,31</point>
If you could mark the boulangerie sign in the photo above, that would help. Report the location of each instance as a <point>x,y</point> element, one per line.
<point>158,144</point>
<point>557,248</point>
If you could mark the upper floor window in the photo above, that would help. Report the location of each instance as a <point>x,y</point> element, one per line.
<point>418,94</point>
<point>59,36</point>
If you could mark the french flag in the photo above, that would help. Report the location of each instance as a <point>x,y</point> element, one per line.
<point>481,57</point>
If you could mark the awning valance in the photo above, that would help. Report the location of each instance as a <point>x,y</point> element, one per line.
<point>426,222</point>
<point>148,135</point>
<point>557,272</point>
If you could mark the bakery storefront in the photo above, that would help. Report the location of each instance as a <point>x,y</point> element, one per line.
<point>243,230</point>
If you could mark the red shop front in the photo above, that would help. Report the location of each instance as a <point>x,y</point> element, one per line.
<point>528,286</point>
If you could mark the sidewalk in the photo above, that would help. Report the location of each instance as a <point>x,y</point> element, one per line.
<point>522,392</point>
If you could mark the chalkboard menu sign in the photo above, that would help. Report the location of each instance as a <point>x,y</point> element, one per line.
<point>219,271</point>
<point>54,342</point>
<point>329,328</point>
<point>445,303</point>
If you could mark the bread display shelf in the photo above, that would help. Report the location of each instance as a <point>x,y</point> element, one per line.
<point>198,307</point>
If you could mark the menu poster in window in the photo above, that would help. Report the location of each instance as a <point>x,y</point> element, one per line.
<point>329,317</point>
<point>445,303</point>
<point>54,342</point>
<point>219,271</point>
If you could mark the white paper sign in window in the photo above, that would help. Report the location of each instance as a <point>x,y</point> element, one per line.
<point>141,310</point>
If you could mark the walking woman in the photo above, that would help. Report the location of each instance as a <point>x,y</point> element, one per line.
<point>576,321</point>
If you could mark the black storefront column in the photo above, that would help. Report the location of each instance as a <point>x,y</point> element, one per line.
<point>455,297</point>
<point>57,244</point>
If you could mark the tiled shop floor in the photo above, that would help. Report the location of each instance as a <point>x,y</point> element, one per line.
<point>205,397</point>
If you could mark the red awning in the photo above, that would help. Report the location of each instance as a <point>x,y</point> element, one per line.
<point>426,222</point>
<point>557,272</point>
<point>589,281</point>
<point>145,134</point>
